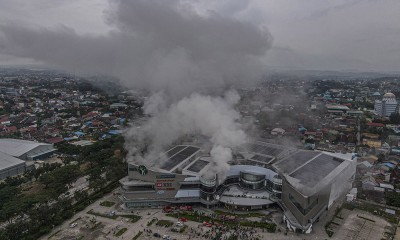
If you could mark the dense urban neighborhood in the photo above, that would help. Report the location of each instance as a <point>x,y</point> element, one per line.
<point>193,120</point>
<point>62,150</point>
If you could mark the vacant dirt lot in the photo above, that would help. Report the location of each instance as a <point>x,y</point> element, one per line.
<point>359,225</point>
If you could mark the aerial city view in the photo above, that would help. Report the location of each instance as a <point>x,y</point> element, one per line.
<point>185,119</point>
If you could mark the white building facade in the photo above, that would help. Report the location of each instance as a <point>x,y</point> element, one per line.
<point>387,106</point>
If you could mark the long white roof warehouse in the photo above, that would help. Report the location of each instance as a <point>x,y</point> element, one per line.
<point>13,152</point>
<point>10,166</point>
<point>25,150</point>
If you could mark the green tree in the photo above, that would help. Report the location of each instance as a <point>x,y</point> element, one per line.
<point>394,118</point>
<point>392,199</point>
<point>58,179</point>
<point>81,195</point>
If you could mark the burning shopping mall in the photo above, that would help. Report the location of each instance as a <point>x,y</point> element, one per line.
<point>303,183</point>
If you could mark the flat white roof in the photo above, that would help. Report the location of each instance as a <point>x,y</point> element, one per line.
<point>82,143</point>
<point>384,185</point>
<point>17,147</point>
<point>7,161</point>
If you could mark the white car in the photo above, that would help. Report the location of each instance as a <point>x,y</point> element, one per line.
<point>73,225</point>
<point>179,224</point>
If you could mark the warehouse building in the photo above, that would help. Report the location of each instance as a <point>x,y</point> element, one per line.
<point>26,150</point>
<point>14,153</point>
<point>10,166</point>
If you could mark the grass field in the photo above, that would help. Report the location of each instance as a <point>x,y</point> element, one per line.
<point>243,215</point>
<point>137,235</point>
<point>121,231</point>
<point>107,204</point>
<point>165,223</point>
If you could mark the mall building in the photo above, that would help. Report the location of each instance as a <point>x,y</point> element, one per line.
<point>303,183</point>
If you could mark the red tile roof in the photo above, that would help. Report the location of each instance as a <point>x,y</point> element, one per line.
<point>376,124</point>
<point>55,140</point>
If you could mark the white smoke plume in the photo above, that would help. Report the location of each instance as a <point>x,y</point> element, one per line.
<point>220,156</point>
<point>213,117</point>
<point>167,48</point>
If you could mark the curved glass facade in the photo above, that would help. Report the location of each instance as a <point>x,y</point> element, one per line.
<point>277,180</point>
<point>207,196</point>
<point>269,185</point>
<point>252,177</point>
<point>231,180</point>
<point>207,189</point>
<point>252,180</point>
<point>250,185</point>
<point>277,187</point>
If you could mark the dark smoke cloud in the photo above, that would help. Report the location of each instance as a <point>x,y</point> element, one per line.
<point>155,45</point>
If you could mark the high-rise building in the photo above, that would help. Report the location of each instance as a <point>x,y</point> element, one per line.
<point>386,106</point>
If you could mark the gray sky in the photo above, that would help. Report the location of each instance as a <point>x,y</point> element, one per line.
<point>307,34</point>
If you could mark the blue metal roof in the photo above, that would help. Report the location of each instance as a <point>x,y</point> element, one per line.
<point>79,133</point>
<point>389,165</point>
<point>114,132</point>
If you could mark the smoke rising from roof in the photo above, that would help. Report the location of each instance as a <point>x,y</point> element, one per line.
<point>220,156</point>
<point>213,117</point>
<point>165,47</point>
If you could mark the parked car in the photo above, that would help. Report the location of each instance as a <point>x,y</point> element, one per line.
<point>156,235</point>
<point>73,225</point>
<point>207,224</point>
<point>179,224</point>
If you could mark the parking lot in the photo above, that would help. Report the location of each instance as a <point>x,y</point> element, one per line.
<point>105,219</point>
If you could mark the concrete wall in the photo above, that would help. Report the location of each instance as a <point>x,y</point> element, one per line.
<point>330,192</point>
<point>306,202</point>
<point>343,182</point>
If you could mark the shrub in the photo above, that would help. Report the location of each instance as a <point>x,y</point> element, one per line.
<point>121,231</point>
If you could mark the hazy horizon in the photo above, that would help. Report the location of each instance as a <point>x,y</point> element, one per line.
<point>314,35</point>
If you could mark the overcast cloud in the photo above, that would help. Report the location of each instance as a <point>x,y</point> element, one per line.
<point>157,45</point>
<point>312,34</point>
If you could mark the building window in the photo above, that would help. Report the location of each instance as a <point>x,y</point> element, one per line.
<point>269,185</point>
<point>252,177</point>
<point>231,180</point>
<point>277,187</point>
